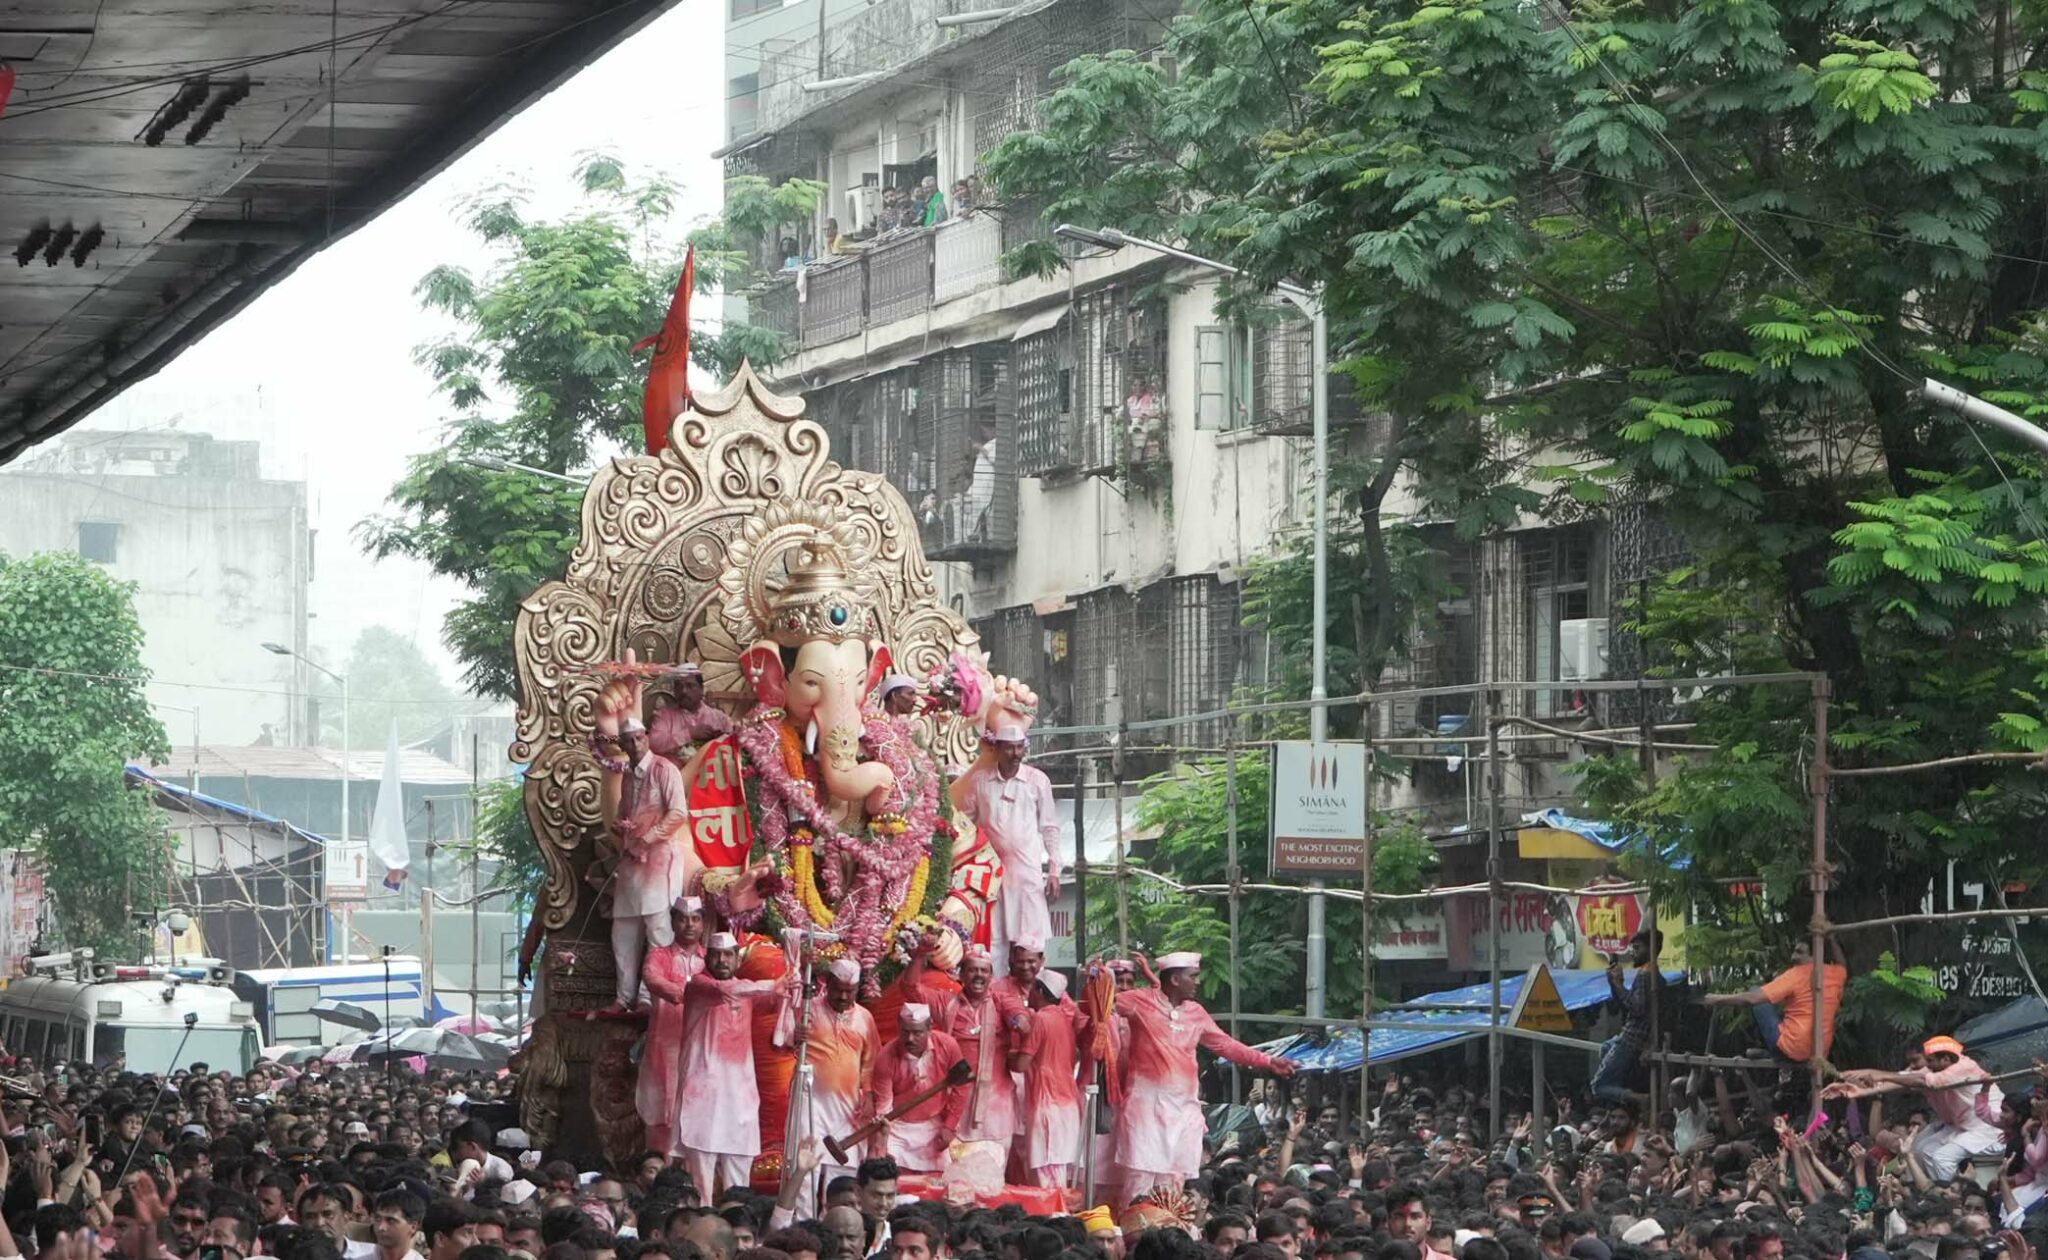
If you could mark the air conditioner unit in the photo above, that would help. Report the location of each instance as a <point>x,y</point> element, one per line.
<point>862,205</point>
<point>1582,648</point>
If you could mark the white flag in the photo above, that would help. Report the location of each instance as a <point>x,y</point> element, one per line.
<point>387,827</point>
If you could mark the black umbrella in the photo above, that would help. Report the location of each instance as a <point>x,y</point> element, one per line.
<point>347,1014</point>
<point>441,1047</point>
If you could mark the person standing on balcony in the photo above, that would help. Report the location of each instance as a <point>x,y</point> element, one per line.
<point>931,200</point>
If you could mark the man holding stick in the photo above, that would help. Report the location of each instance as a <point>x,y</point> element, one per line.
<point>917,1060</point>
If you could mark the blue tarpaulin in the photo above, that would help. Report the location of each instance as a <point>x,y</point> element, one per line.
<point>1600,833</point>
<point>1435,1029</point>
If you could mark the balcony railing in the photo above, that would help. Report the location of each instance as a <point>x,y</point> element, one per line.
<point>899,277</point>
<point>967,255</point>
<point>896,277</point>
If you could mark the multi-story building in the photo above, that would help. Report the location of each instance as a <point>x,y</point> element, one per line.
<point>221,556</point>
<point>1095,457</point>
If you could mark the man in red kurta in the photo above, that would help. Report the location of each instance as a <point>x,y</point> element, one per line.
<point>841,1048</point>
<point>983,1022</point>
<point>1159,1130</point>
<point>1052,1096</point>
<point>917,1060</point>
<point>667,969</point>
<point>718,1108</point>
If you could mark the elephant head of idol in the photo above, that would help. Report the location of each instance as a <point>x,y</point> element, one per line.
<point>816,661</point>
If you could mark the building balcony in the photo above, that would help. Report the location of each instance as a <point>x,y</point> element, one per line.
<point>967,255</point>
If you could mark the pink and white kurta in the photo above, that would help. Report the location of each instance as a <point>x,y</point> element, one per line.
<point>985,1035</point>
<point>1018,818</point>
<point>1159,1129</point>
<point>718,1104</point>
<point>650,871</point>
<point>676,732</point>
<point>653,868</point>
<point>1052,1095</point>
<point>665,973</point>
<point>918,1139</point>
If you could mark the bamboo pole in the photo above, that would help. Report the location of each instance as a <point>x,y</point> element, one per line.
<point>1818,872</point>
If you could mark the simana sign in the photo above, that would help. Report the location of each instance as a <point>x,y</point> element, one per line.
<point>1607,920</point>
<point>1319,802</point>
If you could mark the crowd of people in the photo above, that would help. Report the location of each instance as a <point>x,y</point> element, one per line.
<point>343,1162</point>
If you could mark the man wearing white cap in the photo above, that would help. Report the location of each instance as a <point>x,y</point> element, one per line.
<point>898,695</point>
<point>1016,990</point>
<point>1012,805</point>
<point>843,1046</point>
<point>653,817</point>
<point>987,1025</point>
<point>1159,1129</point>
<point>1052,1097</point>
<point>717,1119</point>
<point>680,727</point>
<point>665,973</point>
<point>918,1059</point>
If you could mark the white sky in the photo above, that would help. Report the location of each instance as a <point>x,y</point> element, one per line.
<point>320,368</point>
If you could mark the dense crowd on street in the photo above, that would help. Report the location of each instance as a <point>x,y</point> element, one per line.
<point>346,1162</point>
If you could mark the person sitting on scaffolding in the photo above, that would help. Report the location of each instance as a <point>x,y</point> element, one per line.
<point>1622,1053</point>
<point>1783,1005</point>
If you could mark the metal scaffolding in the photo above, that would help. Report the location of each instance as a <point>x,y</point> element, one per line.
<point>1114,743</point>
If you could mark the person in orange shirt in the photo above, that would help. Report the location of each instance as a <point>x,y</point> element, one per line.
<point>1783,1005</point>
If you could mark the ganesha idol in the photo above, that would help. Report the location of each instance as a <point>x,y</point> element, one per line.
<point>840,800</point>
<point>740,597</point>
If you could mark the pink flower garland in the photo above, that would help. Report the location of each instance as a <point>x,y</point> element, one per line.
<point>882,865</point>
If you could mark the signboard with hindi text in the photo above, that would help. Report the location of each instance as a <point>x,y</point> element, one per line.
<point>1319,802</point>
<point>1540,1007</point>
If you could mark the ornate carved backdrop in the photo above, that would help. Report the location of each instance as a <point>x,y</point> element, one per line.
<point>678,556</point>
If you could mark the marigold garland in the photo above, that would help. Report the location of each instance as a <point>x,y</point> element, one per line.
<point>869,874</point>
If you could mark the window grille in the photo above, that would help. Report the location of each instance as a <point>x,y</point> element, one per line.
<point>970,510</point>
<point>1120,357</point>
<point>1044,365</point>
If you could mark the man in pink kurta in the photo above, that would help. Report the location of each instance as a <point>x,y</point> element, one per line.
<point>842,1048</point>
<point>718,1106</point>
<point>1052,1096</point>
<point>653,819</point>
<point>918,1059</point>
<point>679,729</point>
<point>1011,804</point>
<point>1159,1130</point>
<point>983,1022</point>
<point>668,968</point>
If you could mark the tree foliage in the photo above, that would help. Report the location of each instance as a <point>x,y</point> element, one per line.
<point>542,370</point>
<point>1697,254</point>
<point>72,716</point>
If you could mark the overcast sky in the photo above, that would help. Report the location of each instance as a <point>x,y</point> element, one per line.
<point>320,368</point>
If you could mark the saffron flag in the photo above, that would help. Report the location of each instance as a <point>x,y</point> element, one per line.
<point>668,376</point>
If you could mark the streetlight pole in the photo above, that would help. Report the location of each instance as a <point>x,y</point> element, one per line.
<point>279,649</point>
<point>1309,301</point>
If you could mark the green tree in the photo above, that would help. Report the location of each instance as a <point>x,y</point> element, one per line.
<point>1698,253</point>
<point>540,371</point>
<point>72,716</point>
